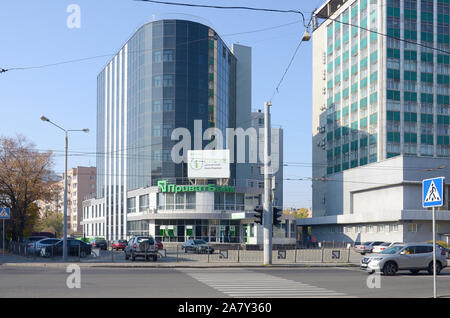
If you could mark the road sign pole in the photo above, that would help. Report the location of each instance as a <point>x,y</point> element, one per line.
<point>434,253</point>
<point>433,196</point>
<point>3,238</point>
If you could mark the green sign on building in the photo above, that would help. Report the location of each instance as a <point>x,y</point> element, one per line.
<point>162,184</point>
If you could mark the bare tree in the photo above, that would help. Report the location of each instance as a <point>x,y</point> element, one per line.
<point>24,179</point>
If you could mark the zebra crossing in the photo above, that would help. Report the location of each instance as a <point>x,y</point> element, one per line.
<point>237,282</point>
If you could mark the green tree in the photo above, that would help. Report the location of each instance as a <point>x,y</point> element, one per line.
<point>300,213</point>
<point>24,179</point>
<point>52,222</point>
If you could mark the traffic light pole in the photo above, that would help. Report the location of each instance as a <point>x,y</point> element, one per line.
<point>267,219</point>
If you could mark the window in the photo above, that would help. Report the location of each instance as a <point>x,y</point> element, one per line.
<point>167,80</point>
<point>143,202</point>
<point>413,227</point>
<point>131,205</point>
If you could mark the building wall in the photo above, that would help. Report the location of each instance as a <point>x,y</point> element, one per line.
<point>243,100</point>
<point>378,98</point>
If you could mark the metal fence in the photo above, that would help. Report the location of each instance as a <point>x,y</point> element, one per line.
<point>222,253</point>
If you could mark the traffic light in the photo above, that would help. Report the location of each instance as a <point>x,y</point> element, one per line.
<point>277,212</point>
<point>259,215</point>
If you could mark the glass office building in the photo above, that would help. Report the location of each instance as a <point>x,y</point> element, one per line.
<point>169,74</point>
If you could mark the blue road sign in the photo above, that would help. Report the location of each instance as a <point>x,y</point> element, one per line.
<point>433,192</point>
<point>4,213</point>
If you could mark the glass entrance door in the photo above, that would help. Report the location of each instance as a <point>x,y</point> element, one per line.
<point>214,233</point>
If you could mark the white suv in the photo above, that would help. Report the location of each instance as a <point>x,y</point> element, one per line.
<point>412,256</point>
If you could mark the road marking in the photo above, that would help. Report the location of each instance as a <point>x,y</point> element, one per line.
<point>236,282</point>
<point>349,269</point>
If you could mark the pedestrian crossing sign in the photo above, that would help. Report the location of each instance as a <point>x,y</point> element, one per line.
<point>433,192</point>
<point>4,213</point>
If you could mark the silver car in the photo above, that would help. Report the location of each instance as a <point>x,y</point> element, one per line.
<point>37,246</point>
<point>412,256</point>
<point>366,247</point>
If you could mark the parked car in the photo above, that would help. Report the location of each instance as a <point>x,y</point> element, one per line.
<point>412,256</point>
<point>119,245</point>
<point>197,246</point>
<point>159,245</point>
<point>382,247</point>
<point>30,242</point>
<point>141,246</point>
<point>74,248</point>
<point>100,243</point>
<point>36,247</point>
<point>366,247</point>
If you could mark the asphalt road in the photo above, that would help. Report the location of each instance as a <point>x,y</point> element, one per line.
<point>216,282</point>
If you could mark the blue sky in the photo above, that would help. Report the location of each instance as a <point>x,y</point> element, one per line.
<point>35,33</point>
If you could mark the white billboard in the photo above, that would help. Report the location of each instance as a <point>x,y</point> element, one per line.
<point>206,164</point>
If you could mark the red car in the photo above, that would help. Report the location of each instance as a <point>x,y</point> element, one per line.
<point>119,245</point>
<point>159,245</point>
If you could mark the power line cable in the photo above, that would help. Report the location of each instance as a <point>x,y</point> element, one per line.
<point>286,70</point>
<point>225,7</point>
<point>385,35</point>
<point>137,51</point>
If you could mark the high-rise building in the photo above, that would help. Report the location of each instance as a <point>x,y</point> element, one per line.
<point>380,117</point>
<point>81,185</point>
<point>171,74</point>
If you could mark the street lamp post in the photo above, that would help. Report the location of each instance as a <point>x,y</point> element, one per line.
<point>66,145</point>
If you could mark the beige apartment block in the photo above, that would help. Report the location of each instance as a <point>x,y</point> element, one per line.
<point>81,185</point>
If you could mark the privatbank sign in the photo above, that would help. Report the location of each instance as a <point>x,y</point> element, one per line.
<point>173,188</point>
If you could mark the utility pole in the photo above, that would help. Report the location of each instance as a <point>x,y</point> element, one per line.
<point>64,256</point>
<point>267,219</point>
<point>66,146</point>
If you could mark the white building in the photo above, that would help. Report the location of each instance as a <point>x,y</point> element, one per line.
<point>380,118</point>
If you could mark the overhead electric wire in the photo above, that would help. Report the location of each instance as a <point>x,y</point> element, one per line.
<point>225,7</point>
<point>286,70</point>
<point>137,51</point>
<point>3,70</point>
<point>385,35</point>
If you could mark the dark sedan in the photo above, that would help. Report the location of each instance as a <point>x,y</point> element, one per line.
<point>100,243</point>
<point>74,248</point>
<point>197,246</point>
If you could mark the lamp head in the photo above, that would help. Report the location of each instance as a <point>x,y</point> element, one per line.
<point>306,36</point>
<point>43,118</point>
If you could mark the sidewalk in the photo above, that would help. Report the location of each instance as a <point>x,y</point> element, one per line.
<point>20,261</point>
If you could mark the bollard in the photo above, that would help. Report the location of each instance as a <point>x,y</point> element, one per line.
<point>177,253</point>
<point>295,254</point>
<point>348,258</point>
<point>323,250</point>
<point>239,248</point>
<point>112,254</point>
<point>207,251</point>
<point>79,252</point>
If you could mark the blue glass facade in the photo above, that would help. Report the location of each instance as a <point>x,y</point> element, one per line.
<point>167,75</point>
